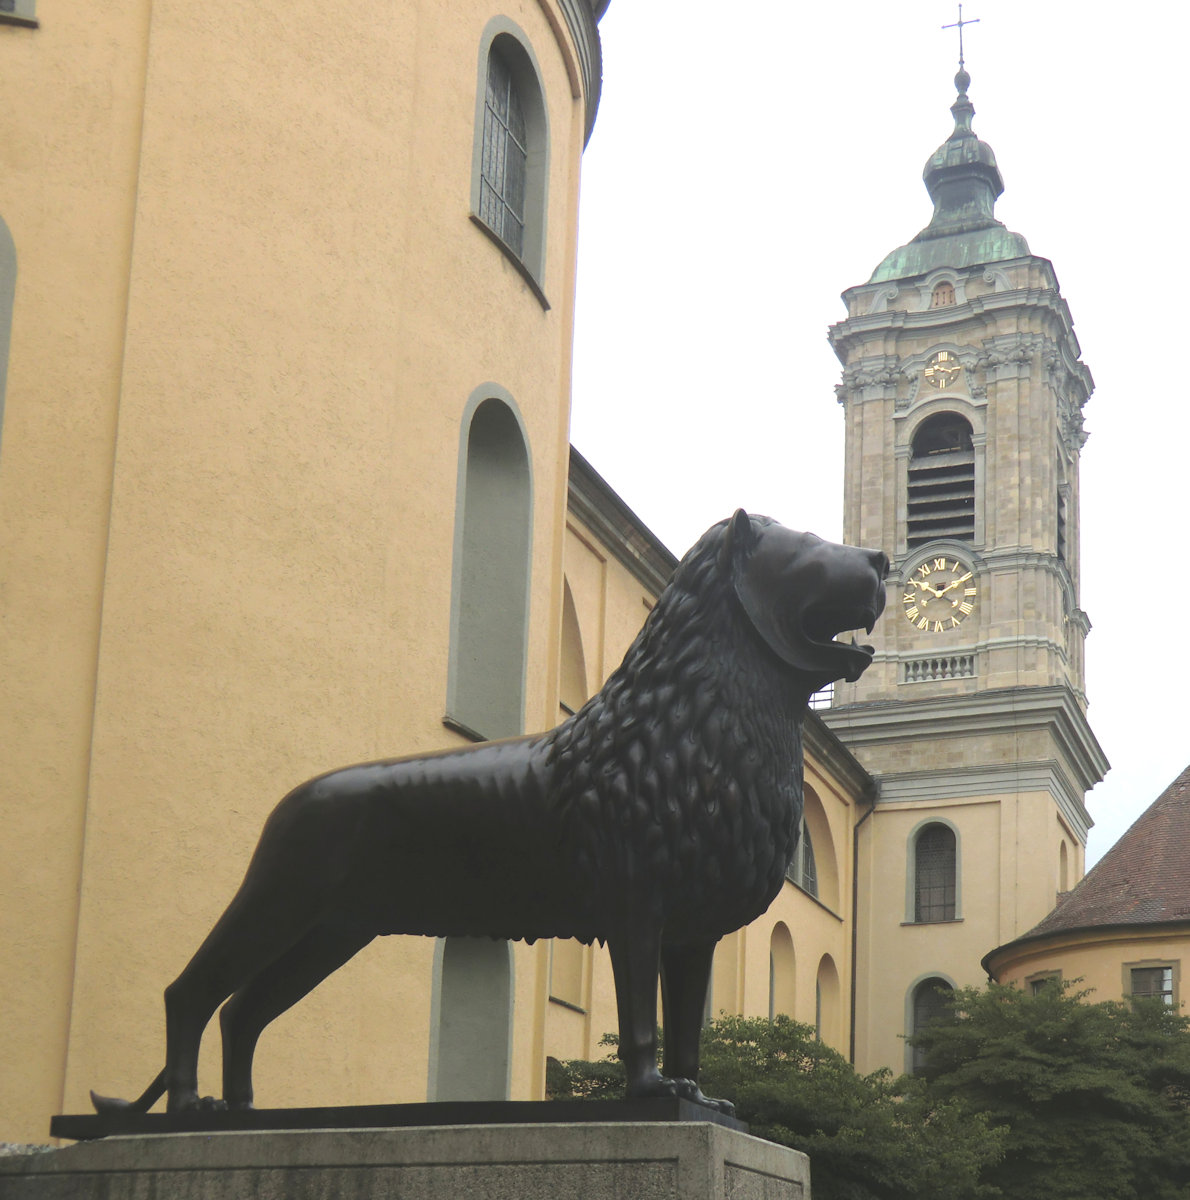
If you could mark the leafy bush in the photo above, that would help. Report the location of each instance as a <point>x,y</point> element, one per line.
<point>1093,1099</point>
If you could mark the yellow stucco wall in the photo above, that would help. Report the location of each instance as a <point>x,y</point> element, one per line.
<point>251,309</point>
<point>1008,877</point>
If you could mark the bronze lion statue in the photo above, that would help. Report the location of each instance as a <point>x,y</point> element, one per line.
<point>657,819</point>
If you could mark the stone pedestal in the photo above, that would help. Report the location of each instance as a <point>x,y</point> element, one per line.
<point>659,1161</point>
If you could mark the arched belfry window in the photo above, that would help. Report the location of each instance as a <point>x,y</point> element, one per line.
<point>490,603</point>
<point>941,481</point>
<point>935,874</point>
<point>510,166</point>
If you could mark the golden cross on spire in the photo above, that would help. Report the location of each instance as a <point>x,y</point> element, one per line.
<point>959,26</point>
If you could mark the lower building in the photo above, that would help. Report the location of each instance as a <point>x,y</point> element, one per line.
<point>1123,931</point>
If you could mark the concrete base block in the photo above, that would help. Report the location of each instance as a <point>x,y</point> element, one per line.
<point>666,1161</point>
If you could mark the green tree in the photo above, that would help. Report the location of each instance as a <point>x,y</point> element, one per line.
<point>866,1139</point>
<point>1093,1099</point>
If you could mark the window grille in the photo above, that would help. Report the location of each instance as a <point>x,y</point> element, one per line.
<point>1153,983</point>
<point>934,875</point>
<point>503,166</point>
<point>803,870</point>
<point>929,1004</point>
<point>942,481</point>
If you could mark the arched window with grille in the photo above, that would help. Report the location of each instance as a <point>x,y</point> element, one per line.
<point>935,874</point>
<point>941,481</point>
<point>803,869</point>
<point>928,1003</point>
<point>510,166</point>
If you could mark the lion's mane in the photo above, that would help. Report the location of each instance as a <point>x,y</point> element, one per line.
<point>683,773</point>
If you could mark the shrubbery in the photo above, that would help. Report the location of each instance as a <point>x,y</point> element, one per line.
<point>1021,1096</point>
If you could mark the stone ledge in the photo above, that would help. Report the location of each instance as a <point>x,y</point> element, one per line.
<point>589,1161</point>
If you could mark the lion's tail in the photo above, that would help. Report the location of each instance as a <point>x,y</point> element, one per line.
<point>145,1101</point>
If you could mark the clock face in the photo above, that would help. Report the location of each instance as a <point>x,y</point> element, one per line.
<point>939,595</point>
<point>943,369</point>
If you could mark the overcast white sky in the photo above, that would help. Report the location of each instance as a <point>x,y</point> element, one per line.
<point>753,159</point>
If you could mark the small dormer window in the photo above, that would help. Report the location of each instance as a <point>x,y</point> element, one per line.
<point>943,295</point>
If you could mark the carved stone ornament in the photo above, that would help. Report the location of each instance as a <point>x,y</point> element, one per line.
<point>659,818</point>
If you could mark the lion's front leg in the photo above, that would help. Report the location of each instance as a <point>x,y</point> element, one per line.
<point>636,960</point>
<point>685,977</point>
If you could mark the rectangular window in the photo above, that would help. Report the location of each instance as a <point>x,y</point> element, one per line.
<point>1039,982</point>
<point>1154,982</point>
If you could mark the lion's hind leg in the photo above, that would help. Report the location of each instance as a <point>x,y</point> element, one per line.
<point>265,920</point>
<point>272,991</point>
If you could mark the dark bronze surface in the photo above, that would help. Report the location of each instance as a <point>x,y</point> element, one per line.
<point>82,1127</point>
<point>657,819</point>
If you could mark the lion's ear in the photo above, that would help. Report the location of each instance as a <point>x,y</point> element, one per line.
<point>737,542</point>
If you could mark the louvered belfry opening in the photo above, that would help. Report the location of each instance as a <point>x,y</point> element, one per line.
<point>942,481</point>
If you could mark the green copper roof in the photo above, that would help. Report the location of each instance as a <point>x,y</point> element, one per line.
<point>959,250</point>
<point>964,183</point>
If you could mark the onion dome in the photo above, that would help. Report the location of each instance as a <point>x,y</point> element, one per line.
<point>964,183</point>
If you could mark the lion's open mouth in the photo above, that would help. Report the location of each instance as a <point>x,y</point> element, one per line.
<point>837,626</point>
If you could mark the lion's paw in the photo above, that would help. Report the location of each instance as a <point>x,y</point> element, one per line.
<point>689,1090</point>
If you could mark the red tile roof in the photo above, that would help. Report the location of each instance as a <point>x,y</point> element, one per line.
<point>1144,879</point>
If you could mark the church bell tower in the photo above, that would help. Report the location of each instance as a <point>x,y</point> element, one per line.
<point>963,392</point>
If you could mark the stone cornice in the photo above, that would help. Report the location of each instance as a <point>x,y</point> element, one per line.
<point>828,750</point>
<point>972,309</point>
<point>585,33</point>
<point>618,528</point>
<point>999,779</point>
<point>1001,710</point>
